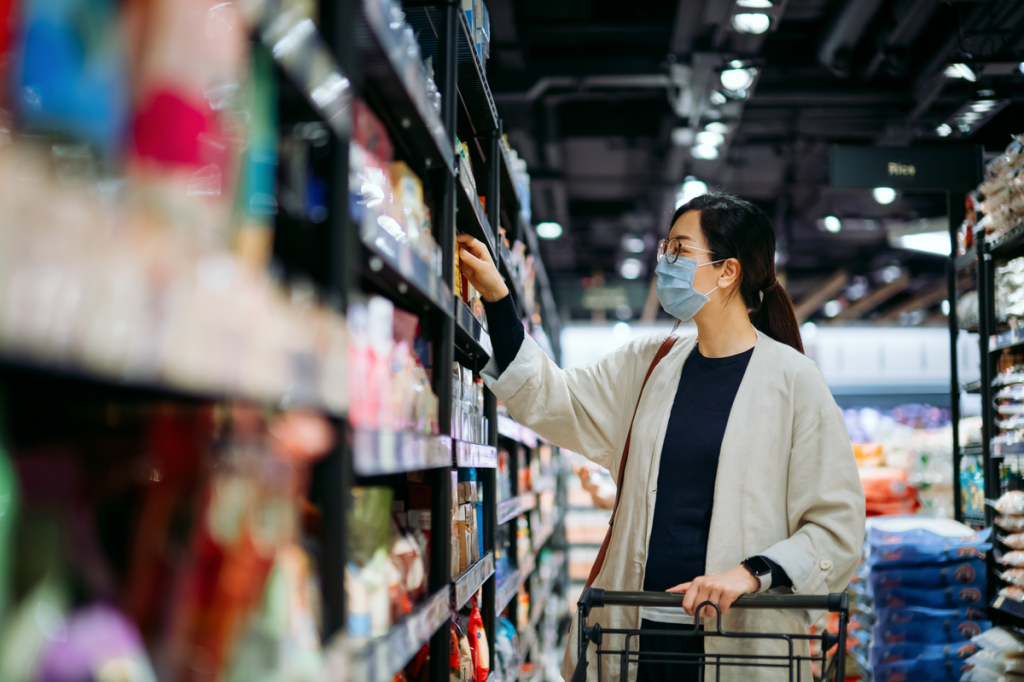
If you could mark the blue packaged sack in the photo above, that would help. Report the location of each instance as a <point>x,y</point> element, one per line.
<point>946,631</point>
<point>915,540</point>
<point>944,575</point>
<point>909,651</point>
<point>937,598</point>
<point>919,614</point>
<point>920,669</point>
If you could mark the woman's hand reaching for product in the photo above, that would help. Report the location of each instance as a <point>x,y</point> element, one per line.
<point>479,269</point>
<point>722,589</point>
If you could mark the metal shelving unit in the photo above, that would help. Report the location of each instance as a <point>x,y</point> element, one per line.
<point>322,65</point>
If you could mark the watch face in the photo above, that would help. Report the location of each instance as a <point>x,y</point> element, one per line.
<point>758,565</point>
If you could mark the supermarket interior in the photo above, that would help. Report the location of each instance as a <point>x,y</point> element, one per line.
<point>247,431</point>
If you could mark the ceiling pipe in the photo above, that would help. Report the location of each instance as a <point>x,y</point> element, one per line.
<point>835,51</point>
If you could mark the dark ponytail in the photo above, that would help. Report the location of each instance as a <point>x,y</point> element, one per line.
<point>734,228</point>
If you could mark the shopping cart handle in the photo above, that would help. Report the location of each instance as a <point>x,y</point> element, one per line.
<point>835,603</point>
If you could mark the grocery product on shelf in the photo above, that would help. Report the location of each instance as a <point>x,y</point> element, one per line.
<point>999,194</point>
<point>919,595</point>
<point>388,386</point>
<point>468,421</point>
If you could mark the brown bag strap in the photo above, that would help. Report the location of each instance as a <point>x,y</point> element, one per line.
<point>599,561</point>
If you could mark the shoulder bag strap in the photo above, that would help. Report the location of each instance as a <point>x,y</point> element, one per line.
<point>599,562</point>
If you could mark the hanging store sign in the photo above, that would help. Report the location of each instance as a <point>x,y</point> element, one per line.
<point>940,167</point>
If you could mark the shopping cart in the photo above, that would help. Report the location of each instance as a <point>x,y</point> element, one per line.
<point>833,670</point>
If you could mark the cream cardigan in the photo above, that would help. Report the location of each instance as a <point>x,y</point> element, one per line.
<point>787,485</point>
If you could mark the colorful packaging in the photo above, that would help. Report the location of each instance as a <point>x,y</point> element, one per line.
<point>478,643</point>
<point>945,575</point>
<point>948,597</point>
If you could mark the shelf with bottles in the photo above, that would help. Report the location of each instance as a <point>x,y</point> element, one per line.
<point>202,493</point>
<point>380,659</point>
<point>469,425</point>
<point>401,84</point>
<point>473,49</point>
<point>295,42</point>
<point>389,207</point>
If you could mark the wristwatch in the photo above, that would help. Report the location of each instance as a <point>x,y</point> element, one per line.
<point>761,569</point>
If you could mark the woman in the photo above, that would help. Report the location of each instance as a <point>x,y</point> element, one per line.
<point>739,472</point>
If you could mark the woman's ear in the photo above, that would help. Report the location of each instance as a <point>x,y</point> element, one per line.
<point>729,273</point>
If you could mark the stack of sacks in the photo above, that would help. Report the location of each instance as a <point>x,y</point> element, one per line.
<point>887,492</point>
<point>924,586</point>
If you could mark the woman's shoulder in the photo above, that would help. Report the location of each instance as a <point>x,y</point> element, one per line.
<point>800,372</point>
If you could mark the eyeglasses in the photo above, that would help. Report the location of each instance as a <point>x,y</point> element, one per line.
<point>673,248</point>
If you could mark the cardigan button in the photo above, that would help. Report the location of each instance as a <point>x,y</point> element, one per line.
<point>825,564</point>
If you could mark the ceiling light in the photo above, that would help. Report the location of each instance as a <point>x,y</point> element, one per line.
<point>549,230</point>
<point>884,195</point>
<point>708,137</point>
<point>691,189</point>
<point>718,98</point>
<point>717,127</point>
<point>944,130</point>
<point>1021,67</point>
<point>755,23</point>
<point>891,273</point>
<point>928,242</point>
<point>833,308</point>
<point>737,79</point>
<point>624,312</point>
<point>754,4</point>
<point>961,71</point>
<point>945,307</point>
<point>682,137</point>
<point>634,244</point>
<point>704,151</point>
<point>983,105</point>
<point>736,64</point>
<point>832,224</point>
<point>631,268</point>
<point>620,332</point>
<point>808,330</point>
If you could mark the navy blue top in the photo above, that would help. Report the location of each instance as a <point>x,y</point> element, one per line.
<point>686,478</point>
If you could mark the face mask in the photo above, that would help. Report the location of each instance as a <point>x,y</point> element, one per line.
<point>675,287</point>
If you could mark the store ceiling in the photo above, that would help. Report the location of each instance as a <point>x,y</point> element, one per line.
<point>591,91</point>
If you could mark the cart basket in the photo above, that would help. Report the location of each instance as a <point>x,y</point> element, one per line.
<point>833,670</point>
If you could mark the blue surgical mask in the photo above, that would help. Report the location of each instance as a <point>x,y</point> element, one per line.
<point>675,287</point>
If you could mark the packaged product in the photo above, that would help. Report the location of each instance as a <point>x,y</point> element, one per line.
<point>919,669</point>
<point>1014,558</point>
<point>407,192</point>
<point>405,555</point>
<point>944,575</point>
<point>1014,576</point>
<point>1014,524</point>
<point>911,651</point>
<point>1010,503</point>
<point>462,539</point>
<point>1000,640</point>
<point>927,631</point>
<point>478,643</point>
<point>949,597</point>
<point>366,579</point>
<point>1014,593</point>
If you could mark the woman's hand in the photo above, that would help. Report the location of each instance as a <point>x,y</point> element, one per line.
<point>479,269</point>
<point>722,589</point>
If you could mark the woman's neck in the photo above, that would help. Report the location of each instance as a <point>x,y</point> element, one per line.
<point>724,330</point>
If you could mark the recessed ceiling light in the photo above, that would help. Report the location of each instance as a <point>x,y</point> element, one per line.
<point>832,223</point>
<point>754,4</point>
<point>833,308</point>
<point>549,230</point>
<point>929,242</point>
<point>634,244</point>
<point>709,137</point>
<point>704,151</point>
<point>718,98</point>
<point>983,105</point>
<point>691,189</point>
<point>943,130</point>
<point>717,127</point>
<point>620,332</point>
<point>755,22</point>
<point>631,268</point>
<point>884,195</point>
<point>736,64</point>
<point>682,137</point>
<point>945,307</point>
<point>961,71</point>
<point>737,79</point>
<point>1020,67</point>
